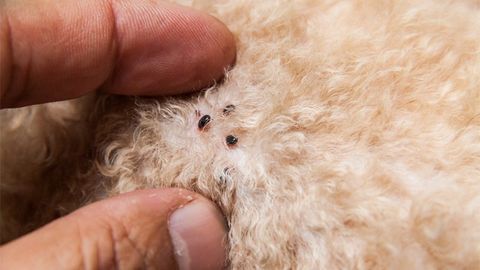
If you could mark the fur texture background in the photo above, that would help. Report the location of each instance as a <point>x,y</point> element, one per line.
<point>359,139</point>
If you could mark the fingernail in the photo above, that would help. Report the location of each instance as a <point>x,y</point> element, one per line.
<point>198,232</point>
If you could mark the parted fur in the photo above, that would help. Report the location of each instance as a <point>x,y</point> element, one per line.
<point>358,126</point>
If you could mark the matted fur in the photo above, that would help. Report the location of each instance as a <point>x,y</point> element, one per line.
<point>359,139</point>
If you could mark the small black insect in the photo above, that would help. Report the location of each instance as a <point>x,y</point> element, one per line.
<point>204,121</point>
<point>231,140</point>
<point>228,109</point>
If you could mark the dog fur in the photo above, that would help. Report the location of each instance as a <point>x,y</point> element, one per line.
<point>359,139</point>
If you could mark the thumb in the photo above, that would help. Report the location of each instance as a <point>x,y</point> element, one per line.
<point>155,229</point>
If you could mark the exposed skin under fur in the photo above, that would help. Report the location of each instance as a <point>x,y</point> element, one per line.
<point>359,139</point>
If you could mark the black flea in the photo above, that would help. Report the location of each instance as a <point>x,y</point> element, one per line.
<point>204,121</point>
<point>231,140</point>
<point>228,109</point>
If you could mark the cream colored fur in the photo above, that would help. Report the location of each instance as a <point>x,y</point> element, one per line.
<point>359,139</point>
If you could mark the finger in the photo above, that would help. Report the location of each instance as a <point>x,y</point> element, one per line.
<point>54,50</point>
<point>154,229</point>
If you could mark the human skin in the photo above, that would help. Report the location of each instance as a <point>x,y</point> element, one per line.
<point>55,50</point>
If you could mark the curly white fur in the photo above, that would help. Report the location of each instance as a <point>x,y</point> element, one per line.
<point>359,137</point>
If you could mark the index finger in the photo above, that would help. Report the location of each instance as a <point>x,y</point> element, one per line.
<point>54,50</point>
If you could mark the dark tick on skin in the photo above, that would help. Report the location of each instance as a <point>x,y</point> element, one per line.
<point>228,109</point>
<point>231,140</point>
<point>204,121</point>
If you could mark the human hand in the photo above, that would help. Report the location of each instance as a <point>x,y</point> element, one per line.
<point>54,50</point>
<point>147,229</point>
